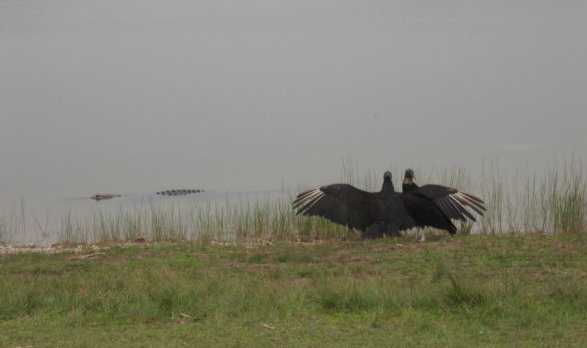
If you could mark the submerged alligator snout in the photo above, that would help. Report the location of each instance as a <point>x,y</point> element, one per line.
<point>101,196</point>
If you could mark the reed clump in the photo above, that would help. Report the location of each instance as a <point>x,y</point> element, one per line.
<point>13,223</point>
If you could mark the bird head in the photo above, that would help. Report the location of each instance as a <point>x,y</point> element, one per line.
<point>387,176</point>
<point>409,176</point>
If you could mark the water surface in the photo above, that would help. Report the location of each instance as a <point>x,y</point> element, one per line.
<point>140,96</point>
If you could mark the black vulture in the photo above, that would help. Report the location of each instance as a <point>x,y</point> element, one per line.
<point>437,205</point>
<point>367,212</point>
<point>387,211</point>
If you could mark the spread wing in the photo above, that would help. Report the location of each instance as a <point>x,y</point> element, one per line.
<point>452,202</point>
<point>340,203</point>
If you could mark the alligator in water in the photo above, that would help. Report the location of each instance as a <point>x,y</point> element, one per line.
<point>102,196</point>
<point>178,192</point>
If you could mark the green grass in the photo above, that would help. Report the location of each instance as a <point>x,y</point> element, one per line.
<point>510,290</point>
<point>232,220</point>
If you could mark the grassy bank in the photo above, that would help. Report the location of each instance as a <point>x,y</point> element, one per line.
<point>519,290</point>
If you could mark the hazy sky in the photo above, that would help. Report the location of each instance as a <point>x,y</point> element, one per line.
<point>139,96</point>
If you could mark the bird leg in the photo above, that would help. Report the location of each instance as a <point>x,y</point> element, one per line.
<point>380,229</point>
<point>420,234</point>
<point>389,229</point>
<point>374,231</point>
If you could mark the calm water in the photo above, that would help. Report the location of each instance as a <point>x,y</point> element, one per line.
<point>139,96</point>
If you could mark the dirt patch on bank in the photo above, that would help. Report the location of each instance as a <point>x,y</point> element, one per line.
<point>54,249</point>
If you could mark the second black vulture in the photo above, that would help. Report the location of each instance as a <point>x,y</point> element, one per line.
<point>437,205</point>
<point>387,211</point>
<point>408,184</point>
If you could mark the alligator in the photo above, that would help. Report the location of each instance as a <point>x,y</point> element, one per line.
<point>101,196</point>
<point>178,192</point>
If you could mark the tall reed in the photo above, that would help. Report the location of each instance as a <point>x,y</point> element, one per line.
<point>555,203</point>
<point>13,223</point>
